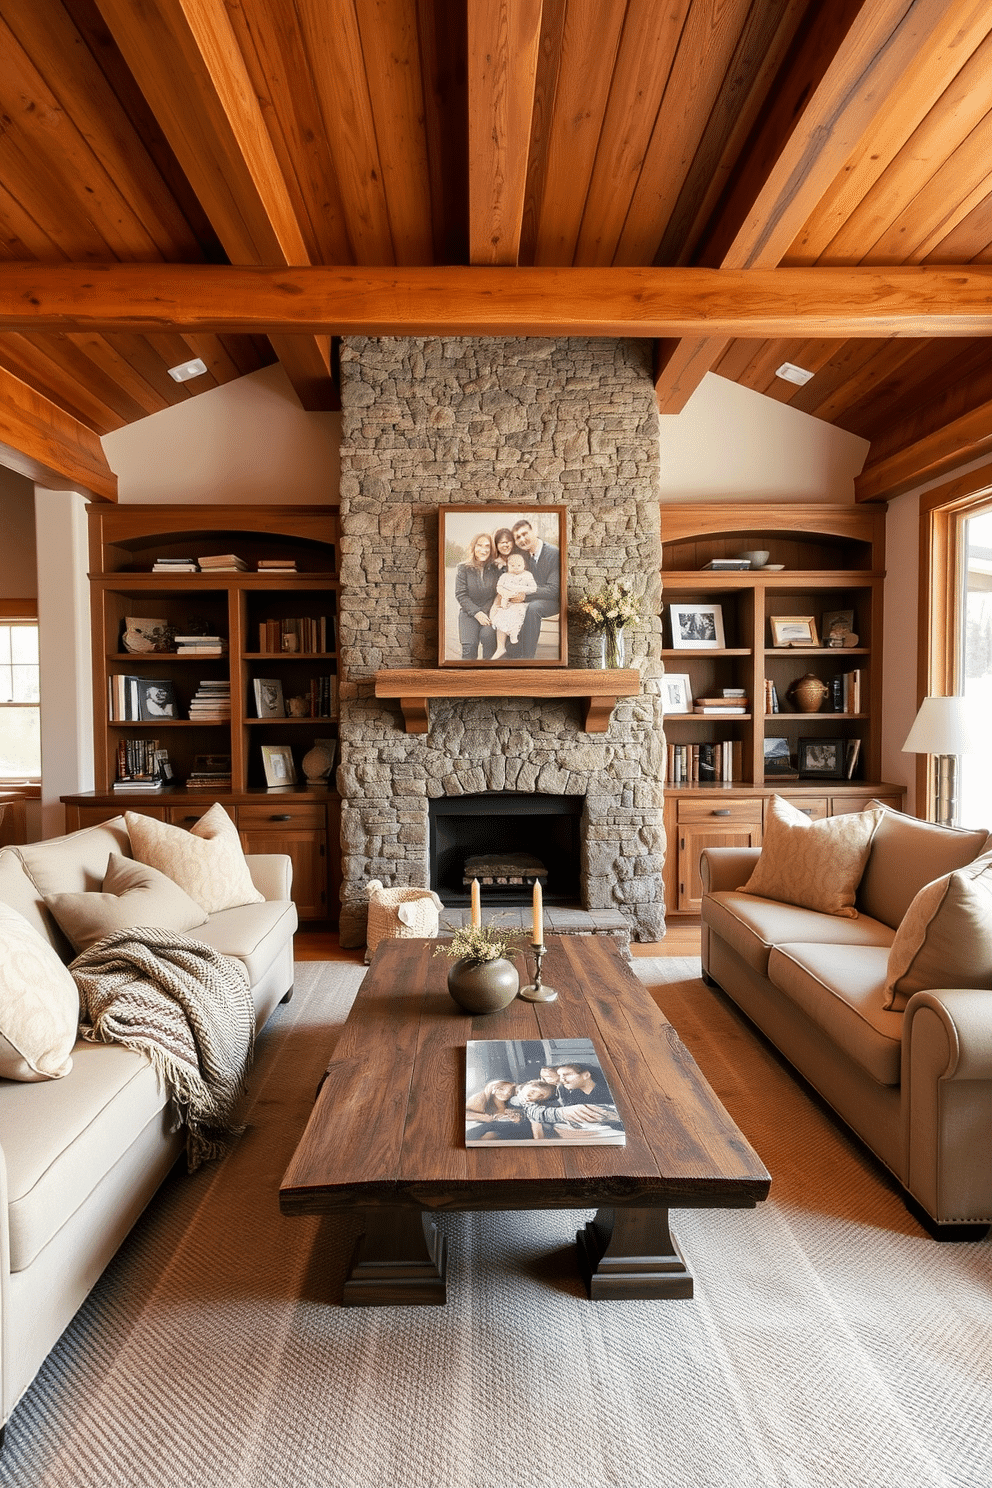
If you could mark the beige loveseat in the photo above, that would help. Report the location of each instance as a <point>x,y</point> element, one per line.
<point>81,1156</point>
<point>914,1083</point>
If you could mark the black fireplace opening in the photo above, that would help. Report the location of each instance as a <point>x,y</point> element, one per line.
<point>506,822</point>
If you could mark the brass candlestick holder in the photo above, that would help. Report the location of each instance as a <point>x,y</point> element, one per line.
<point>538,991</point>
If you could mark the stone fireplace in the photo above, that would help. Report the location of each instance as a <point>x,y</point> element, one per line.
<point>430,422</point>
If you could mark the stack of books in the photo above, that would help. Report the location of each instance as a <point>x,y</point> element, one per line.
<point>175,565</point>
<point>211,703</point>
<point>200,645</point>
<point>721,705</point>
<point>214,562</point>
<point>210,772</point>
<point>728,565</point>
<point>277,565</point>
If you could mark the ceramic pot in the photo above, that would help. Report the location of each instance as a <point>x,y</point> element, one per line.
<point>483,986</point>
<point>807,693</point>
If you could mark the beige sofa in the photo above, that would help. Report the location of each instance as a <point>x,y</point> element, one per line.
<point>81,1156</point>
<point>916,1084</point>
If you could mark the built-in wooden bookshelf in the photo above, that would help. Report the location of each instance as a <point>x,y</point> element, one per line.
<point>249,609</point>
<point>826,559</point>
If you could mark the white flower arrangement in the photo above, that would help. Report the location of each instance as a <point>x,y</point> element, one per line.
<point>479,943</point>
<point>611,608</point>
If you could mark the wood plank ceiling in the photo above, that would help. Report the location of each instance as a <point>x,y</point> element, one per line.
<point>554,134</point>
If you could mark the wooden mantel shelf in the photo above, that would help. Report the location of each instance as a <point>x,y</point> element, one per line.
<point>598,690</point>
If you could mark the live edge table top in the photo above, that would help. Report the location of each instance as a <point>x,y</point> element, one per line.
<point>388,1126</point>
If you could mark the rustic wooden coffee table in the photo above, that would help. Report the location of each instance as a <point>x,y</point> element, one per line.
<point>387,1132</point>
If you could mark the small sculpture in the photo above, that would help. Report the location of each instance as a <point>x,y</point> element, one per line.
<point>807,693</point>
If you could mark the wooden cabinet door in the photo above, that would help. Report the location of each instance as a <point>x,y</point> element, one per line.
<point>693,837</point>
<point>308,850</point>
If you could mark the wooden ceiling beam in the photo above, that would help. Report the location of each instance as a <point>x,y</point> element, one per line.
<point>503,42</point>
<point>870,47</point>
<point>186,58</point>
<point>46,445</point>
<point>966,438</point>
<point>919,301</point>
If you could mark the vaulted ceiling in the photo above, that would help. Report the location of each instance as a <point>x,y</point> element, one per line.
<point>574,153</point>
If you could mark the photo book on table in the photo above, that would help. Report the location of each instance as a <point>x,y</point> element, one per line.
<point>520,1091</point>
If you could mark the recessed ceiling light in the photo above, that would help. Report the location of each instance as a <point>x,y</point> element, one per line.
<point>789,372</point>
<point>186,370</point>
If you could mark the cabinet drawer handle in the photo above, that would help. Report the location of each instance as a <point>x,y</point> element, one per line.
<point>724,812</point>
<point>286,816</point>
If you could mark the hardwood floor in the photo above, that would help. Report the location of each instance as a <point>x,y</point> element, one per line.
<point>322,945</point>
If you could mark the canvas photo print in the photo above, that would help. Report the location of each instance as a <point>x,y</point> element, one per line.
<point>501,586</point>
<point>521,1091</point>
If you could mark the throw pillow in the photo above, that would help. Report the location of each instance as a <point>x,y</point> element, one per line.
<point>39,1004</point>
<point>133,894</point>
<point>815,864</point>
<point>207,861</point>
<point>945,939</point>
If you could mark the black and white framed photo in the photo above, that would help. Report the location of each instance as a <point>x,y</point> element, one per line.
<point>501,586</point>
<point>156,698</point>
<point>269,701</point>
<point>676,693</point>
<point>696,627</point>
<point>794,630</point>
<point>277,760</point>
<point>823,758</point>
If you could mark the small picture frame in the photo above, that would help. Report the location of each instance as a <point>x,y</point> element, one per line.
<point>837,629</point>
<point>794,630</point>
<point>676,693</point>
<point>156,699</point>
<point>778,759</point>
<point>696,627</point>
<point>822,759</point>
<point>277,760</point>
<point>269,701</point>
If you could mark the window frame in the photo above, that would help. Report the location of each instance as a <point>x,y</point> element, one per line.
<point>13,611</point>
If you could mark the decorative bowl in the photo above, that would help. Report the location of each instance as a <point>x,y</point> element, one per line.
<point>757,558</point>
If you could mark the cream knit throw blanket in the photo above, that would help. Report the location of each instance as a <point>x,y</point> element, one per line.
<point>188,1009</point>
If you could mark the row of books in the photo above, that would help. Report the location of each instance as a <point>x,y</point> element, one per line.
<point>141,765</point>
<point>222,563</point>
<point>304,635</point>
<point>720,760</point>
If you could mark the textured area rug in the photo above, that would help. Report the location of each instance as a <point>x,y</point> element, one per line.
<point>830,1343</point>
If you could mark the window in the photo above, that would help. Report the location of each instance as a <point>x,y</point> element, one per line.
<point>974,655</point>
<point>20,711</point>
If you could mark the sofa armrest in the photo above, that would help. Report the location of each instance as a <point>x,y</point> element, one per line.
<point>726,867</point>
<point>947,1103</point>
<point>272,874</point>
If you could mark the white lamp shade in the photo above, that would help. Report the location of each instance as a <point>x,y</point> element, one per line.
<point>943,726</point>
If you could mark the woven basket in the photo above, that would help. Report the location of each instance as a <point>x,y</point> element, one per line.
<point>399,914</point>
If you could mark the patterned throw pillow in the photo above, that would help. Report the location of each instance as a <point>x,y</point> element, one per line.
<point>815,864</point>
<point>133,894</point>
<point>208,861</point>
<point>39,1004</point>
<point>945,939</point>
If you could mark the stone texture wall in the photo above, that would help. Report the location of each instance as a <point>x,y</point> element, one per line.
<point>431,422</point>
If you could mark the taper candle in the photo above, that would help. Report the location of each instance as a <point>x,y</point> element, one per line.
<point>476,905</point>
<point>538,914</point>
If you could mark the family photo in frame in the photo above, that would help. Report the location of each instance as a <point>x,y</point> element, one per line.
<point>501,586</point>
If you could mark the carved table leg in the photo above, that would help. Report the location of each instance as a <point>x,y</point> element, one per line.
<point>399,1261</point>
<point>631,1253</point>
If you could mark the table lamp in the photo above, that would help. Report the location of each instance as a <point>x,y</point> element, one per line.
<point>943,727</point>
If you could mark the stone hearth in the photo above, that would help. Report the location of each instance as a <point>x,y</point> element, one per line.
<point>431,422</point>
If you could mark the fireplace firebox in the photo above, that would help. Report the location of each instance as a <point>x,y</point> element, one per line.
<point>546,827</point>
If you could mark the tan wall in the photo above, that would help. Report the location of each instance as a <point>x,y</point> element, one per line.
<point>18,554</point>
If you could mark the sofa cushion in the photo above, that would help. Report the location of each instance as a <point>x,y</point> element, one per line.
<point>70,864</point>
<point>905,855</point>
<point>207,861</point>
<point>133,894</point>
<point>841,989</point>
<point>17,890</point>
<point>816,864</point>
<point>945,939</point>
<point>752,926</point>
<point>39,1004</point>
<point>253,934</point>
<point>60,1139</point>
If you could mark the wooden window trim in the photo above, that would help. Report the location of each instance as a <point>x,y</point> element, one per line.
<point>940,580</point>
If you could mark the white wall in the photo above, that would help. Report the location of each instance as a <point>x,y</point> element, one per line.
<point>247,443</point>
<point>732,444</point>
<point>66,662</point>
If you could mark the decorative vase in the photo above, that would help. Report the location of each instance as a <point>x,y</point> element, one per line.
<point>807,693</point>
<point>483,986</point>
<point>613,646</point>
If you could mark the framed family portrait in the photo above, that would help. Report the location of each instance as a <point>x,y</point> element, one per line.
<point>696,627</point>
<point>676,693</point>
<point>501,586</point>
